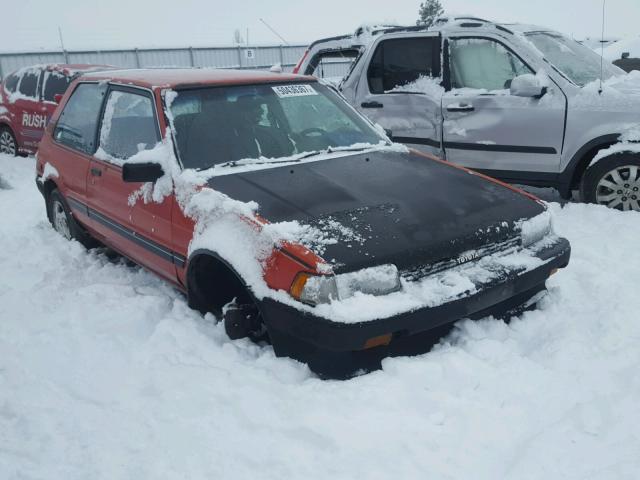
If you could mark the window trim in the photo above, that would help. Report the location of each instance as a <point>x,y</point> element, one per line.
<point>4,82</point>
<point>447,66</point>
<point>55,127</point>
<point>133,89</point>
<point>38,72</point>
<point>435,35</point>
<point>44,82</point>
<point>187,87</point>
<point>318,56</point>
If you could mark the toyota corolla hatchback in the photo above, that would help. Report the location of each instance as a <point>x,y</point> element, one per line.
<point>274,205</point>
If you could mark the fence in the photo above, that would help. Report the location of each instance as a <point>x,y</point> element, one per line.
<point>259,57</point>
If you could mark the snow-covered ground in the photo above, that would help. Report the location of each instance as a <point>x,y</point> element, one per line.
<point>105,373</point>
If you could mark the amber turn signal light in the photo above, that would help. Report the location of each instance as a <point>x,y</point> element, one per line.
<point>378,341</point>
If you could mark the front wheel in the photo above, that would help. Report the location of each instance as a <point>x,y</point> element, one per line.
<point>8,144</point>
<point>64,223</point>
<point>614,181</point>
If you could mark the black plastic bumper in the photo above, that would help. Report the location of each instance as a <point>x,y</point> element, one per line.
<point>288,325</point>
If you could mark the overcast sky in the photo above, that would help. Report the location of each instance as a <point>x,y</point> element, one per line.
<point>33,24</point>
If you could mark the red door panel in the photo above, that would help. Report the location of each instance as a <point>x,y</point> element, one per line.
<point>140,231</point>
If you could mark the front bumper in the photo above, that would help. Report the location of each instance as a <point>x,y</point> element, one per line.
<point>288,325</point>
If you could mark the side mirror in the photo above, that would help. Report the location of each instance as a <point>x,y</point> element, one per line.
<point>625,55</point>
<point>527,85</point>
<point>57,98</point>
<point>141,172</point>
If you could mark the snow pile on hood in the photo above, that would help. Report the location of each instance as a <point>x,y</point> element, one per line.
<point>629,143</point>
<point>621,92</point>
<point>628,45</point>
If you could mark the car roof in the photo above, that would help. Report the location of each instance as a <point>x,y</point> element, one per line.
<point>69,69</point>
<point>183,77</point>
<point>453,23</point>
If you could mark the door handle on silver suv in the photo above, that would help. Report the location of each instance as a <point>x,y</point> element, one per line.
<point>373,104</point>
<point>460,107</point>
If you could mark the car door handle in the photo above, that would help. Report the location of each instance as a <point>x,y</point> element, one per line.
<point>373,104</point>
<point>460,107</point>
<point>96,172</point>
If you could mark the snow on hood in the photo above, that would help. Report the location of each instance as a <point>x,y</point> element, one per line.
<point>621,92</point>
<point>232,228</point>
<point>629,45</point>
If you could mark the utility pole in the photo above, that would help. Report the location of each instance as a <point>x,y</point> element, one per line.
<point>64,51</point>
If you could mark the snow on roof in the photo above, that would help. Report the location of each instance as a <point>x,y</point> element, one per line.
<point>627,45</point>
<point>173,77</point>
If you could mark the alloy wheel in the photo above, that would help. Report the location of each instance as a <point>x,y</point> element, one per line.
<point>60,220</point>
<point>7,143</point>
<point>620,188</point>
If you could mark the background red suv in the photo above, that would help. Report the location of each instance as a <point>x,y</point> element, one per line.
<point>27,101</point>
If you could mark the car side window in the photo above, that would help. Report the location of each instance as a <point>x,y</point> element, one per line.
<point>78,123</point>
<point>128,125</point>
<point>483,63</point>
<point>54,84</point>
<point>397,62</point>
<point>11,83</point>
<point>332,66</point>
<point>29,83</point>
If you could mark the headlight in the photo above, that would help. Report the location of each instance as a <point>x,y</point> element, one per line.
<point>535,229</point>
<point>312,289</point>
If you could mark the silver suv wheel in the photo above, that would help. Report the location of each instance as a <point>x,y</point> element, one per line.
<point>60,220</point>
<point>7,142</point>
<point>620,188</point>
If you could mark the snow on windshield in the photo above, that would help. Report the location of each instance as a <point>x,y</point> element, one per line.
<point>578,63</point>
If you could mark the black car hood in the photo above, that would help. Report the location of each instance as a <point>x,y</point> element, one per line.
<point>385,207</point>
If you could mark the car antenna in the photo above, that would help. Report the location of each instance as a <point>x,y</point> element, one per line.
<point>274,32</point>
<point>602,47</point>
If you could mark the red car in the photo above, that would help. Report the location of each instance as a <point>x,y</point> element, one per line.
<point>272,203</point>
<point>28,98</point>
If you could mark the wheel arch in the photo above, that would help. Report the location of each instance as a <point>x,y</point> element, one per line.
<point>570,178</point>
<point>212,282</point>
<point>49,186</point>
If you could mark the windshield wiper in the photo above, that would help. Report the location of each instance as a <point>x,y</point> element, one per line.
<point>314,153</point>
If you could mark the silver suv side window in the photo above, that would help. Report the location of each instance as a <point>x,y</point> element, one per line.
<point>483,63</point>
<point>129,125</point>
<point>397,62</point>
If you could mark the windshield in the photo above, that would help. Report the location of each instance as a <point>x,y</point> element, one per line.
<point>222,125</point>
<point>578,63</point>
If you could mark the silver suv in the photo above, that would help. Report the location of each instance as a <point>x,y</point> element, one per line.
<point>518,102</point>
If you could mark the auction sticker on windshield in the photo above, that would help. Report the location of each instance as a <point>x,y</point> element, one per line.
<point>284,91</point>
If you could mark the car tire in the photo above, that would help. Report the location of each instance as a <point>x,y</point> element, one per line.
<point>614,181</point>
<point>63,222</point>
<point>8,144</point>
